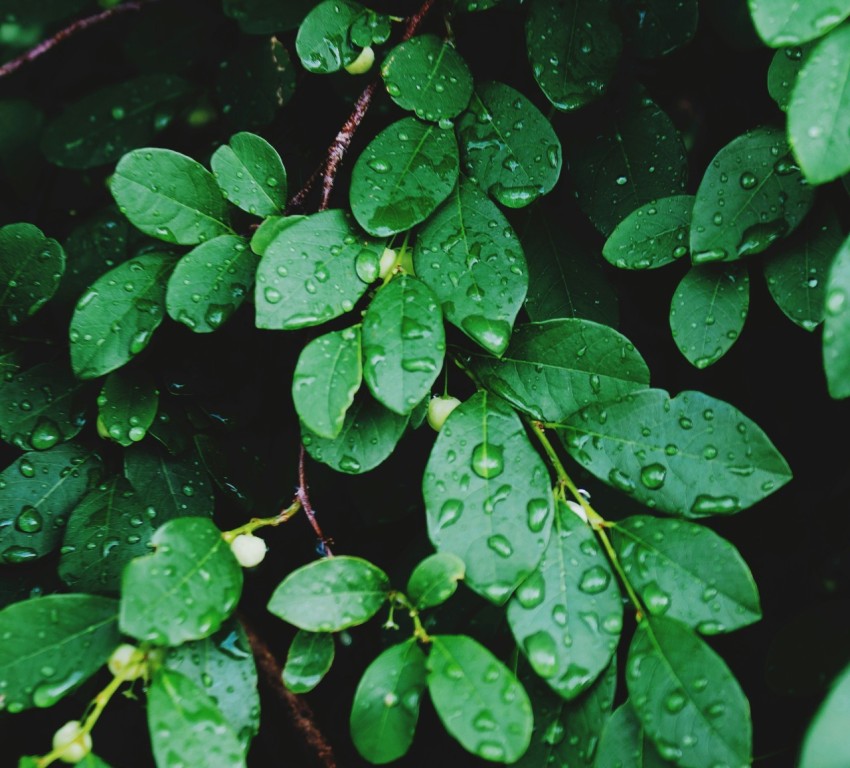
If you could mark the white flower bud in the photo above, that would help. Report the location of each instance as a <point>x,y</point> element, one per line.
<point>388,260</point>
<point>439,409</point>
<point>76,745</point>
<point>363,63</point>
<point>128,661</point>
<point>248,549</point>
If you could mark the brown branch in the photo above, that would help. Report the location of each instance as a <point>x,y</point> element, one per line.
<point>302,495</point>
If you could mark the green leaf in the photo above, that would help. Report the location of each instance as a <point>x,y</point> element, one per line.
<point>782,74</point>
<point>402,175</point>
<point>370,28</point>
<point>427,76</point>
<point>479,700</point>
<point>105,124</point>
<point>186,726</point>
<point>115,318</point>
<point>223,666</point>
<point>819,112</point>
<point>573,48</point>
<point>434,580</point>
<point>309,273</point>
<point>269,229</point>
<point>322,43</point>
<point>708,311</point>
<point>624,742</point>
<point>251,175</point>
<point>31,266</point>
<point>210,283</point>
<point>487,496</point>
<point>185,589</point>
<point>326,378</point>
<point>657,28</point>
<point>508,147</point>
<point>37,491</point>
<point>687,572</point>
<point>368,436</point>
<point>403,343</point>
<point>51,645</point>
<point>553,369</point>
<point>687,700</point>
<point>309,658</point>
<point>825,744</point>
<point>169,196</point>
<point>106,530</point>
<point>751,195</point>
<point>568,614</point>
<point>836,326</point>
<point>469,256</point>
<point>261,17</point>
<point>692,455</point>
<point>790,22</point>
<point>41,406</point>
<point>331,594</point>
<point>651,236</point>
<point>127,405</point>
<point>386,704</point>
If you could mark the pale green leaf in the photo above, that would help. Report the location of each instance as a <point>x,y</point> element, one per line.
<point>825,744</point>
<point>624,743</point>
<point>792,22</point>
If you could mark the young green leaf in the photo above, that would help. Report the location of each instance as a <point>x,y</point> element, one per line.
<point>708,311</point>
<point>573,48</point>
<point>673,679</point>
<point>326,378</point>
<point>549,612</point>
<point>386,704</point>
<point>434,580</point>
<point>427,76</point>
<point>782,74</point>
<point>403,343</point>
<point>169,196</point>
<point>251,175</point>
<point>790,22</point>
<point>210,283</point>
<point>127,406</point>
<point>323,43</point>
<point>331,594</point>
<point>692,455</point>
<point>185,589</point>
<point>553,369</point>
<point>479,700</point>
<point>825,743</point>
<point>115,318</point>
<point>469,256</point>
<point>657,27</point>
<point>836,326</point>
<point>371,28</point>
<point>269,229</point>
<point>624,742</point>
<point>51,645</point>
<point>402,175</point>
<point>308,660</point>
<point>508,147</point>
<point>751,195</point>
<point>31,266</point>
<point>687,572</point>
<point>487,496</point>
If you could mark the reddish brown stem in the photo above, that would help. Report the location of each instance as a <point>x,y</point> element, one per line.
<point>304,497</point>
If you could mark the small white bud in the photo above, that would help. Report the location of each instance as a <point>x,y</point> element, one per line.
<point>388,260</point>
<point>363,63</point>
<point>76,745</point>
<point>128,661</point>
<point>248,549</point>
<point>439,409</point>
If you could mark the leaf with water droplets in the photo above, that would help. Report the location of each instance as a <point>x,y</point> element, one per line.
<point>469,256</point>
<point>186,726</point>
<point>51,645</point>
<point>386,704</point>
<point>251,174</point>
<point>567,615</point>
<point>687,572</point>
<point>31,266</point>
<point>782,74</point>
<point>116,317</point>
<point>836,326</point>
<point>403,343</point>
<point>624,743</point>
<point>402,175</point>
<point>210,283</point>
<point>508,147</point>
<point>308,660</point>
<point>651,236</point>
<point>552,369</point>
<point>479,700</point>
<point>791,22</point>
<point>427,76</point>
<point>323,43</point>
<point>751,195</point>
<point>127,405</point>
<point>708,311</point>
<point>573,48</point>
<point>268,231</point>
<point>487,496</point>
<point>655,28</point>
<point>691,456</point>
<point>308,274</point>
<point>686,698</point>
<point>434,579</point>
<point>103,125</point>
<point>825,743</point>
<point>331,594</point>
<point>185,589</point>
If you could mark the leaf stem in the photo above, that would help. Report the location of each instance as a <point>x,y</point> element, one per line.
<point>399,598</point>
<point>285,515</point>
<point>303,498</point>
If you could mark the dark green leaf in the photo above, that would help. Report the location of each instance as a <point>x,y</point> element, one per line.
<point>51,645</point>
<point>692,455</point>
<point>434,580</point>
<point>386,704</point>
<point>127,406</point>
<point>508,147</point>
<point>370,28</point>
<point>487,496</point>
<point>323,44</point>
<point>624,743</point>
<point>783,71</point>
<point>658,27</point>
<point>836,326</point>
<point>309,658</point>
<point>31,266</point>
<point>401,177</point>
<point>331,594</point>
<point>261,17</point>
<point>825,744</point>
<point>790,22</point>
<point>251,174</point>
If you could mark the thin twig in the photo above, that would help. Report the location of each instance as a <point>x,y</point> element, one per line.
<point>303,496</point>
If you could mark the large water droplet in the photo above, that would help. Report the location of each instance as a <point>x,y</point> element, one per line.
<point>652,476</point>
<point>488,460</point>
<point>541,650</point>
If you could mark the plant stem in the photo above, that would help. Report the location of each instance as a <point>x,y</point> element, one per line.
<point>399,598</point>
<point>285,515</point>
<point>303,497</point>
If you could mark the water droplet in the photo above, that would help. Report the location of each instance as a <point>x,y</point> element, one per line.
<point>487,460</point>
<point>26,468</point>
<point>532,591</point>
<point>594,580</point>
<point>500,545</point>
<point>652,476</point>
<point>621,481</point>
<point>449,513</point>
<point>45,434</point>
<point>656,599</point>
<point>538,513</point>
<point>675,701</point>
<point>715,505</point>
<point>47,694</point>
<point>541,650</point>
<point>17,554</point>
<point>29,520</point>
<point>748,180</point>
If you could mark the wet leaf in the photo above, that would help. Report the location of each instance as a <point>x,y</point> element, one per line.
<point>251,174</point>
<point>370,28</point>
<point>434,579</point>
<point>127,406</point>
<point>269,229</point>
<point>782,74</point>
<point>323,44</point>
<point>624,742</point>
<point>836,326</point>
<point>658,27</point>
<point>790,22</point>
<point>825,744</point>
<point>31,266</point>
<point>309,658</point>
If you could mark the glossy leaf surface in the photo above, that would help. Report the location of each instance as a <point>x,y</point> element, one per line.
<point>251,175</point>
<point>31,266</point>
<point>309,658</point>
